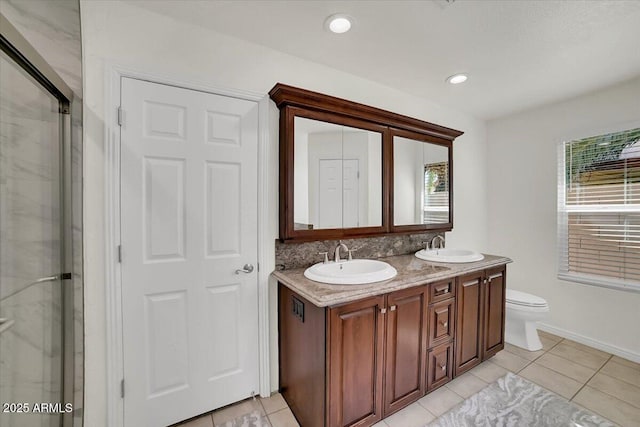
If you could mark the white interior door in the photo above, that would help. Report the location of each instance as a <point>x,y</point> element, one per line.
<point>188,215</point>
<point>330,193</point>
<point>350,193</point>
<point>338,200</point>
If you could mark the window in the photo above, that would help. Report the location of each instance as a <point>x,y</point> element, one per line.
<point>599,210</point>
<point>436,193</point>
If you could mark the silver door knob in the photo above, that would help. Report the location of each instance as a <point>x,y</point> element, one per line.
<point>248,268</point>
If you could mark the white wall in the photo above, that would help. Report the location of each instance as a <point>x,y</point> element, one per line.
<point>406,182</point>
<point>119,33</point>
<point>522,206</point>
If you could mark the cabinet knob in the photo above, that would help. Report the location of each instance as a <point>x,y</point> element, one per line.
<point>443,367</point>
<point>383,310</point>
<point>392,308</point>
<point>444,324</point>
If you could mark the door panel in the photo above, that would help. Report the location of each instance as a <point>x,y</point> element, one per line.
<point>166,323</point>
<point>350,193</point>
<point>189,215</point>
<point>441,322</point>
<point>468,322</point>
<point>163,209</point>
<point>223,228</point>
<point>405,348</point>
<point>495,289</point>
<point>355,363</point>
<point>330,194</point>
<point>440,366</point>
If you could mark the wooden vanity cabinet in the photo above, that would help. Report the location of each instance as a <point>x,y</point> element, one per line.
<point>480,304</point>
<point>377,358</point>
<point>356,363</point>
<point>345,355</point>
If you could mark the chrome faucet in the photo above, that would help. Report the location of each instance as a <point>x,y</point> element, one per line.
<point>337,251</point>
<point>433,242</point>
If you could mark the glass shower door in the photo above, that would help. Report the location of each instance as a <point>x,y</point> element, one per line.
<point>31,251</point>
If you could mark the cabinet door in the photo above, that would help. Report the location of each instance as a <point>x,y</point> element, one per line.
<point>494,306</point>
<point>440,366</point>
<point>354,384</point>
<point>405,348</point>
<point>469,321</point>
<point>441,322</point>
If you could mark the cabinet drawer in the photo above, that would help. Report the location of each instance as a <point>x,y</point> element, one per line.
<point>442,290</point>
<point>441,322</point>
<point>440,366</point>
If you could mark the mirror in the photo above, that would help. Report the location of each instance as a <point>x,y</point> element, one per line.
<point>337,176</point>
<point>421,182</point>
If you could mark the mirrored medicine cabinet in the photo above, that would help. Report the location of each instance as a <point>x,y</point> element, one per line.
<point>350,170</point>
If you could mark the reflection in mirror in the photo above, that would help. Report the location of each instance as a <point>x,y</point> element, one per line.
<point>337,176</point>
<point>420,182</point>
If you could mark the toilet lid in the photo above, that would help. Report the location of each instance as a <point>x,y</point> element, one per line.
<point>523,298</point>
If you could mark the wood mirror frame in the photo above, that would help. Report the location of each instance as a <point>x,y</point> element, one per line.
<point>295,102</point>
<point>426,139</point>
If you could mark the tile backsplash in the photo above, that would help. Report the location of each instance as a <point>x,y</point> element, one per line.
<point>297,255</point>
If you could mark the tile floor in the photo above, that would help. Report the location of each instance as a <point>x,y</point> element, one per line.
<point>605,384</point>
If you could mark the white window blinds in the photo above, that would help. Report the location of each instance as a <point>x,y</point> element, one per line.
<point>599,210</point>
<point>436,193</point>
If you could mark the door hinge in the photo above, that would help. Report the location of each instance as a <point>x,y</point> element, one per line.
<point>122,388</point>
<point>119,253</point>
<point>120,116</point>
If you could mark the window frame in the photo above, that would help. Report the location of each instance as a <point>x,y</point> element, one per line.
<point>563,211</point>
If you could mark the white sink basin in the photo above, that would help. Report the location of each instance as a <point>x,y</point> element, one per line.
<point>354,272</point>
<point>449,255</point>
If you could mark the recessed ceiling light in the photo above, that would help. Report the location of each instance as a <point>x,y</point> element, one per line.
<point>338,23</point>
<point>457,78</point>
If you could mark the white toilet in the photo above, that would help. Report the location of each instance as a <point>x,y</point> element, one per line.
<point>523,313</point>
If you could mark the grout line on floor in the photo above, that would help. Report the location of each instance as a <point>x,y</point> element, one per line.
<point>453,391</point>
<point>552,347</point>
<point>578,363</point>
<point>591,377</point>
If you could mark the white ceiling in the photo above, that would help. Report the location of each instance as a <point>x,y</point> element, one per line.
<point>518,54</point>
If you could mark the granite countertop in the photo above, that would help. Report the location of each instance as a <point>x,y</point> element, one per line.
<point>411,272</point>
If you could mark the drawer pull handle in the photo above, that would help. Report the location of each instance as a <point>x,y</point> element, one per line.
<point>444,324</point>
<point>442,290</point>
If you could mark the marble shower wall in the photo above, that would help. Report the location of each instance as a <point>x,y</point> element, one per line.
<point>53,29</point>
<point>297,255</point>
<point>30,246</point>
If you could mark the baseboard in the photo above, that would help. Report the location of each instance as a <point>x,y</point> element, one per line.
<point>621,352</point>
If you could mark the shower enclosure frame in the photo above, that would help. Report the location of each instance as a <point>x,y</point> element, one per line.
<point>18,49</point>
